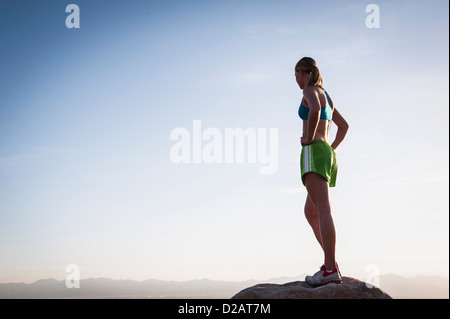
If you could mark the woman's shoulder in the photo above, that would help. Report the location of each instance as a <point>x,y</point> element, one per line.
<point>314,91</point>
<point>325,92</point>
<point>310,91</point>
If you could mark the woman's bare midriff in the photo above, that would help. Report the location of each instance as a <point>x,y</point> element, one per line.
<point>322,132</point>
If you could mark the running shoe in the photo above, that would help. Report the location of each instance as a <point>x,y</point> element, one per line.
<point>323,277</point>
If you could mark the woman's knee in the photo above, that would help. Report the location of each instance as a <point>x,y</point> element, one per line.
<point>324,209</point>
<point>310,210</point>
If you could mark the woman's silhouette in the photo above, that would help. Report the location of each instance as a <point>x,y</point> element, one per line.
<point>318,163</point>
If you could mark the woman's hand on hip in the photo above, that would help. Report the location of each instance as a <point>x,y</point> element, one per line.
<point>305,141</point>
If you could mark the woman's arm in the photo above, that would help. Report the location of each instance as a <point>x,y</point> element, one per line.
<point>342,128</point>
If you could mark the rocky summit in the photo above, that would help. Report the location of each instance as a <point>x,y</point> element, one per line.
<point>350,288</point>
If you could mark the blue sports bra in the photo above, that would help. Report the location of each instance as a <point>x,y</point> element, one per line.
<point>326,112</point>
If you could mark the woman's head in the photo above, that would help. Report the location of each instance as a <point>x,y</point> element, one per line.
<point>307,73</point>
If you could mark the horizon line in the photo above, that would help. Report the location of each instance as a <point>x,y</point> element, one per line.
<point>203,279</point>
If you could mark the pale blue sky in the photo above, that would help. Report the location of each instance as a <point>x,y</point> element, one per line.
<point>86,115</point>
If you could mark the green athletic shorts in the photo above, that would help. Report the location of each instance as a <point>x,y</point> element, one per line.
<point>319,157</point>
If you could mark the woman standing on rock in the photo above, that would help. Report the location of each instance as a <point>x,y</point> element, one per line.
<point>318,163</point>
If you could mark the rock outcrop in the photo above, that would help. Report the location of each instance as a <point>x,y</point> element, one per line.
<point>349,289</point>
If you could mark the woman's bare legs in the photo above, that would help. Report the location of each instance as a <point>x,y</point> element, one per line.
<point>317,188</point>
<point>313,219</point>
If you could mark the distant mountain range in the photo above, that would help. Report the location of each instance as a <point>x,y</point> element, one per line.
<point>394,285</point>
<point>419,287</point>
